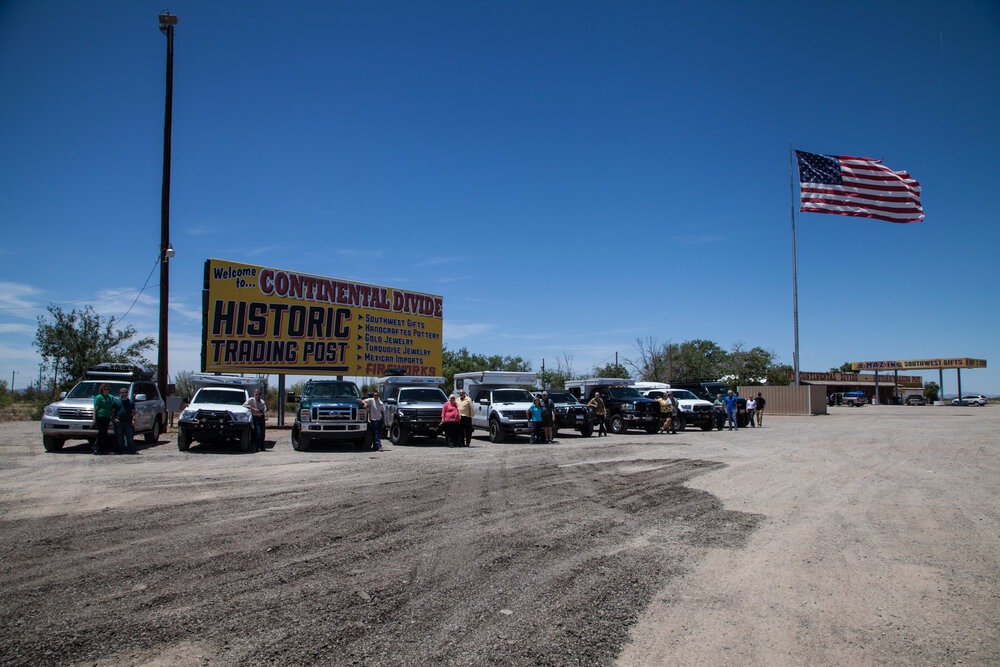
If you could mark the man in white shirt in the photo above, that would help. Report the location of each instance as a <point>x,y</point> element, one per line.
<point>257,411</point>
<point>376,418</point>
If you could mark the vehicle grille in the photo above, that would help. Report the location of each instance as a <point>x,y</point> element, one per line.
<point>86,414</point>
<point>648,408</point>
<point>702,408</point>
<point>214,416</point>
<point>335,413</point>
<point>514,414</point>
<point>428,416</point>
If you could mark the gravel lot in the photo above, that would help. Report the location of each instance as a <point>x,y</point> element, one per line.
<point>867,536</point>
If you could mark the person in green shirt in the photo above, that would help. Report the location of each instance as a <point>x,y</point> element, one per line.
<point>104,408</point>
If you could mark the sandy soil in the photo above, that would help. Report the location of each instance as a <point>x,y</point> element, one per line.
<point>868,536</point>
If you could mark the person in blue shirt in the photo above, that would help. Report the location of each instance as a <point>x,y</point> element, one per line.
<point>730,402</point>
<point>124,418</point>
<point>535,415</point>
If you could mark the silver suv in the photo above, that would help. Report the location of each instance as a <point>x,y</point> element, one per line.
<point>970,399</point>
<point>72,417</point>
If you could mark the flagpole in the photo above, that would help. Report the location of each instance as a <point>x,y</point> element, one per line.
<point>795,277</point>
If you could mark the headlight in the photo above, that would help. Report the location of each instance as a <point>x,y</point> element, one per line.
<point>686,408</point>
<point>305,414</point>
<point>401,414</point>
<point>51,410</point>
<point>628,407</point>
<point>562,411</point>
<point>242,417</point>
<point>189,414</point>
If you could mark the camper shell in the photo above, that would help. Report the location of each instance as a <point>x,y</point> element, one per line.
<point>501,400</point>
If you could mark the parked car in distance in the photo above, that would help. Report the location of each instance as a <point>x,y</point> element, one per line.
<point>916,399</point>
<point>970,399</point>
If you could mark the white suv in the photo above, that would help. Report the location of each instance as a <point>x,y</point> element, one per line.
<point>970,399</point>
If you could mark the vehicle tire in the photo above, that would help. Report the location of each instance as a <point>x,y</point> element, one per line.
<point>300,441</point>
<point>183,439</point>
<point>245,440</point>
<point>153,436</point>
<point>618,425</point>
<point>496,431</point>
<point>51,443</point>
<point>707,426</point>
<point>399,435</point>
<point>652,428</point>
<point>681,423</point>
<point>587,431</point>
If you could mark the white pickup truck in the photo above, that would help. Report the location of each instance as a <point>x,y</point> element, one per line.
<point>501,401</point>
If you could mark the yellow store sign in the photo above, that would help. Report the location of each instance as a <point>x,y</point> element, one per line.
<point>263,320</point>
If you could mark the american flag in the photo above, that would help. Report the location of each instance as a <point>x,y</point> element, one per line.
<point>858,186</point>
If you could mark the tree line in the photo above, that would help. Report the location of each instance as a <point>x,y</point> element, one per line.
<point>70,342</point>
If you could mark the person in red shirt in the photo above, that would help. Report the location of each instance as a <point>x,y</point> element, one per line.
<point>450,421</point>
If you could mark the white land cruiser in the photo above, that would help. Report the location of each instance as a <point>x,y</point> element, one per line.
<point>216,414</point>
<point>72,417</point>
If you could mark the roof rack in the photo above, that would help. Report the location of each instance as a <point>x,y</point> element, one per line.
<point>115,371</point>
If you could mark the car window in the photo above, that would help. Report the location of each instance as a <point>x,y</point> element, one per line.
<point>422,396</point>
<point>223,396</point>
<point>92,388</point>
<point>513,396</point>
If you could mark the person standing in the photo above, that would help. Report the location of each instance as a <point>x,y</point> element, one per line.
<point>760,409</point>
<point>730,402</point>
<point>258,415</point>
<point>720,412</point>
<point>665,411</point>
<point>675,412</point>
<point>376,419</point>
<point>465,412</point>
<point>451,422</point>
<point>104,407</point>
<point>548,414</point>
<point>124,419</point>
<point>534,413</point>
<point>751,410</point>
<point>600,412</point>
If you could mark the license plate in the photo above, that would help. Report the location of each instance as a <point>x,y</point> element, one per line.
<point>579,418</point>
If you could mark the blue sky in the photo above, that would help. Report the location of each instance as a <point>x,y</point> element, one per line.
<point>570,176</point>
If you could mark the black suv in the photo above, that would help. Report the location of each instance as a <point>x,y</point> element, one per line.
<point>571,414</point>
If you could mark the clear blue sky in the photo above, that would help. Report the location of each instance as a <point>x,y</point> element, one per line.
<point>570,176</point>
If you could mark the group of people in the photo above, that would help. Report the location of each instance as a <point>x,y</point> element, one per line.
<point>729,408</point>
<point>540,413</point>
<point>672,409</point>
<point>456,419</point>
<point>119,412</point>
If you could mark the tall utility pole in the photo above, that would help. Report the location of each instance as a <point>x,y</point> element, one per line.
<point>167,23</point>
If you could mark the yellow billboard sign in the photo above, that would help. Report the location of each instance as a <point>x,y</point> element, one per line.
<point>916,364</point>
<point>259,319</point>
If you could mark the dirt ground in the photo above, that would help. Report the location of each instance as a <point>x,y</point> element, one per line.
<point>867,536</point>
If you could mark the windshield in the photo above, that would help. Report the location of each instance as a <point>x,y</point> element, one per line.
<point>331,390</point>
<point>223,396</point>
<point>624,392</point>
<point>562,397</point>
<point>421,396</point>
<point>92,388</point>
<point>683,395</point>
<point>513,396</point>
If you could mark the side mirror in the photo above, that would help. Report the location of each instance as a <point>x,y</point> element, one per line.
<point>290,397</point>
<point>140,397</point>
<point>62,395</point>
<point>390,401</point>
<point>484,401</point>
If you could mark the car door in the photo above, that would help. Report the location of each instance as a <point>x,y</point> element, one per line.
<point>481,417</point>
<point>145,411</point>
